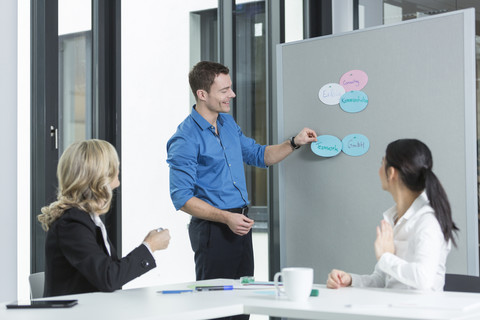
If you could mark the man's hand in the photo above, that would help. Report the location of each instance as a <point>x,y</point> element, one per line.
<point>238,223</point>
<point>305,136</point>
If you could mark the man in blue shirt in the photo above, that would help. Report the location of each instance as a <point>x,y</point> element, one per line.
<point>207,179</point>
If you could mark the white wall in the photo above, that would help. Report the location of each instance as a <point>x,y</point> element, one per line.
<point>293,20</point>
<point>155,99</point>
<point>23,148</point>
<point>370,13</point>
<point>8,160</point>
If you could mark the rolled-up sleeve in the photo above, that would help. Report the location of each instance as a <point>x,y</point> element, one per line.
<point>182,160</point>
<point>253,153</point>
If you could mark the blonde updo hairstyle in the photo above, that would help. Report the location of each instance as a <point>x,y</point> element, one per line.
<point>85,171</point>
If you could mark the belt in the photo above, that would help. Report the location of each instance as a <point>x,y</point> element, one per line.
<point>243,210</point>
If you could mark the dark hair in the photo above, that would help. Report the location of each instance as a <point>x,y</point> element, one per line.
<point>203,75</point>
<point>413,160</point>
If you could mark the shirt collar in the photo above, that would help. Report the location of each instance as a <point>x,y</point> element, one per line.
<point>99,223</point>
<point>201,122</point>
<point>96,219</point>
<point>418,203</point>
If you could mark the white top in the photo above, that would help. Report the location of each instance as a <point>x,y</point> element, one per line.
<point>420,252</point>
<point>99,223</point>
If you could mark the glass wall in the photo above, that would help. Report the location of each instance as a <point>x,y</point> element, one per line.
<point>251,105</point>
<point>74,72</point>
<point>251,114</point>
<point>75,95</point>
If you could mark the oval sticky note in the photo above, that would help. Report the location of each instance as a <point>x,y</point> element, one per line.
<point>354,80</point>
<point>330,93</point>
<point>354,101</point>
<point>355,144</point>
<point>326,146</point>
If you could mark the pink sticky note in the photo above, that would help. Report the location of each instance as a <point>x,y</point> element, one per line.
<point>354,80</point>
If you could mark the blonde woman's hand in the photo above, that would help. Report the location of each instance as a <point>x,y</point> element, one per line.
<point>338,278</point>
<point>158,240</point>
<point>384,242</point>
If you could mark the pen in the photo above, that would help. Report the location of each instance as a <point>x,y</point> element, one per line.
<point>174,291</point>
<point>368,306</point>
<point>213,288</point>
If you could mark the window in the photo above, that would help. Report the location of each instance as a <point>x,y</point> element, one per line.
<point>75,95</point>
<point>74,72</point>
<point>251,101</point>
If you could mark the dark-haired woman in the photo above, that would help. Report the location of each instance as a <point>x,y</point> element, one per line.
<point>415,237</point>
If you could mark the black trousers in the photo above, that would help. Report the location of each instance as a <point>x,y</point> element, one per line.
<point>220,253</point>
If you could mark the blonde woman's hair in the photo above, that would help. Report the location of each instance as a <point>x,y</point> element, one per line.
<point>85,171</point>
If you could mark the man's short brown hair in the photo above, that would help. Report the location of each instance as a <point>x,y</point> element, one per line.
<point>203,74</point>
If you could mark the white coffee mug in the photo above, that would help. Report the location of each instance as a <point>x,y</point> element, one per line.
<point>297,283</point>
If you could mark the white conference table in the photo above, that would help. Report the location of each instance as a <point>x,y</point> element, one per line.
<point>345,303</point>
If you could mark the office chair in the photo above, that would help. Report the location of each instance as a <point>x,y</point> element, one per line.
<point>36,281</point>
<point>461,283</point>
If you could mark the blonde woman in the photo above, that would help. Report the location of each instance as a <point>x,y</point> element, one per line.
<point>79,257</point>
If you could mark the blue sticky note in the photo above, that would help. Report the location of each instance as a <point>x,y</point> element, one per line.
<point>326,146</point>
<point>353,101</point>
<point>355,144</point>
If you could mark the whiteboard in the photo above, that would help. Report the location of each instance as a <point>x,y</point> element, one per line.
<point>421,84</point>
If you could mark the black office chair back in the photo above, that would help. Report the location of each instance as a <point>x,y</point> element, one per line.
<point>461,283</point>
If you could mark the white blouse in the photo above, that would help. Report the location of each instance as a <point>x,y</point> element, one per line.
<point>420,252</point>
<point>99,223</point>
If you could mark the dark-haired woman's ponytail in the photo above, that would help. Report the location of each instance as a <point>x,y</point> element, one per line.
<point>440,204</point>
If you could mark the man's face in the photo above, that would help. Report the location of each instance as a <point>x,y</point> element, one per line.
<point>218,99</point>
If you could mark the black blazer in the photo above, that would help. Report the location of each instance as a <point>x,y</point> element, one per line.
<point>77,261</point>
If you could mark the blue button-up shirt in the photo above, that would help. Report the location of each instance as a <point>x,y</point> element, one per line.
<point>209,166</point>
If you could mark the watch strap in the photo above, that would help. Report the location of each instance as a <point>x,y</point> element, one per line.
<point>292,143</point>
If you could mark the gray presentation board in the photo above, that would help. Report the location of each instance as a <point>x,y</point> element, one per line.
<point>421,84</point>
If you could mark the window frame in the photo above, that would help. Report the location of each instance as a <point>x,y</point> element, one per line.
<point>106,118</point>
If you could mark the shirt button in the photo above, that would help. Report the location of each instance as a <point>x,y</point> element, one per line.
<point>234,182</point>
<point>145,263</point>
<point>229,165</point>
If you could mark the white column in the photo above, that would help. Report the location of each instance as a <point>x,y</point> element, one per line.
<point>370,13</point>
<point>342,16</point>
<point>8,147</point>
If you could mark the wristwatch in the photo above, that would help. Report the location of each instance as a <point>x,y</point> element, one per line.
<point>292,143</point>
